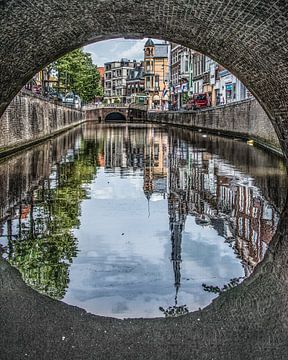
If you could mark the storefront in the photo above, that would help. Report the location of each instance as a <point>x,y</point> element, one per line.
<point>156,102</point>
<point>228,92</point>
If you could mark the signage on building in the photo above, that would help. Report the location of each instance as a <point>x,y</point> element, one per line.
<point>185,87</point>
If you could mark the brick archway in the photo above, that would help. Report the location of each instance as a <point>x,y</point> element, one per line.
<point>115,116</point>
<point>248,38</point>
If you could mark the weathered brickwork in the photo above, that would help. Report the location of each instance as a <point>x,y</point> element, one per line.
<point>100,114</point>
<point>29,118</point>
<point>247,37</point>
<point>246,119</point>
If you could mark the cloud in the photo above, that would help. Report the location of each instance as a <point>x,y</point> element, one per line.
<point>115,49</point>
<point>135,51</point>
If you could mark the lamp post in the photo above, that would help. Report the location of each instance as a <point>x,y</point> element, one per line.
<point>162,95</point>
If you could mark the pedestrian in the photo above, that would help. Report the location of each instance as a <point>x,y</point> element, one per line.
<point>222,101</point>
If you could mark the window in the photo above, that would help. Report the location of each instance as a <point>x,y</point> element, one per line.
<point>186,64</point>
<point>148,83</point>
<point>157,81</point>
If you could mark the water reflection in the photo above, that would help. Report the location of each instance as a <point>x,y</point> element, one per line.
<point>90,208</point>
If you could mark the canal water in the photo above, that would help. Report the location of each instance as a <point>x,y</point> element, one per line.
<point>130,221</point>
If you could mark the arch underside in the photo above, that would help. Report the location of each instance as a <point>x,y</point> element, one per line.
<point>115,116</point>
<point>249,38</point>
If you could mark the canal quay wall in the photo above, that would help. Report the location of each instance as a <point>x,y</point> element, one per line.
<point>245,119</point>
<point>31,118</point>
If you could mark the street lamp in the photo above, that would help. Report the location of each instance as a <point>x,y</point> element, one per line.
<point>163,73</point>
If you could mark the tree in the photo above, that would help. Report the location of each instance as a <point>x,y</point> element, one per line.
<point>78,74</point>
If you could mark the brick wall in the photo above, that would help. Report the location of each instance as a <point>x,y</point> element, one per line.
<point>244,119</point>
<point>30,118</point>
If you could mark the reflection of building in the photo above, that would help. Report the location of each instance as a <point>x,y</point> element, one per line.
<point>145,151</point>
<point>155,169</point>
<point>156,73</point>
<point>204,188</point>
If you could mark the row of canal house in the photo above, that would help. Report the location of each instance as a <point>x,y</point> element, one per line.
<point>146,81</point>
<point>195,73</point>
<point>170,74</point>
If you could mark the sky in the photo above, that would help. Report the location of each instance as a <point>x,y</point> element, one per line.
<point>115,49</point>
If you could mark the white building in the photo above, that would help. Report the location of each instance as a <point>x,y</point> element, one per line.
<point>231,89</point>
<point>116,74</point>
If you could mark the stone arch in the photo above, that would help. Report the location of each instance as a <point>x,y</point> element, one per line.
<point>248,38</point>
<point>115,116</point>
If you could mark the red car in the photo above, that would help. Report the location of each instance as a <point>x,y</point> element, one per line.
<point>198,101</point>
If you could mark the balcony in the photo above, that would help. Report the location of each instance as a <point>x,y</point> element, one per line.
<point>148,72</point>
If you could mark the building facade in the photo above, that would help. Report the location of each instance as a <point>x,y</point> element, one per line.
<point>194,73</point>
<point>116,74</point>
<point>156,73</point>
<point>135,84</point>
<point>181,74</point>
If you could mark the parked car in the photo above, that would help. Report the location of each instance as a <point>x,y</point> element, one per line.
<point>53,94</point>
<point>73,100</point>
<point>198,101</point>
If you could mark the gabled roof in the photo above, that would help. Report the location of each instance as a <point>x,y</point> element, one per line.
<point>149,42</point>
<point>136,74</point>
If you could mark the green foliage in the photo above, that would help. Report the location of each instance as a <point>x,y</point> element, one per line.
<point>185,98</point>
<point>45,246</point>
<point>117,101</point>
<point>78,74</point>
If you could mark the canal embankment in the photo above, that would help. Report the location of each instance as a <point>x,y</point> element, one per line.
<point>31,118</point>
<point>246,120</point>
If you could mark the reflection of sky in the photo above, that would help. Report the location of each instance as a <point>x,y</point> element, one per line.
<point>123,268</point>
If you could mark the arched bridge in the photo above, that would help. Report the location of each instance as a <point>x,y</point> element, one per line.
<point>113,113</point>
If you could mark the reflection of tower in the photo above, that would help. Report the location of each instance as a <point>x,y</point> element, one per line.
<point>177,208</point>
<point>177,222</point>
<point>148,170</point>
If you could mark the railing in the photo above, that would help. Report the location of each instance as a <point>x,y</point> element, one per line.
<point>108,106</point>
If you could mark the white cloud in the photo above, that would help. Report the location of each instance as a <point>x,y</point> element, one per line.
<point>135,51</point>
<point>115,49</point>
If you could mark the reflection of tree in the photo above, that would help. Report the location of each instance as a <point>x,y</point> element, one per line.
<point>173,311</point>
<point>44,245</point>
<point>217,290</point>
